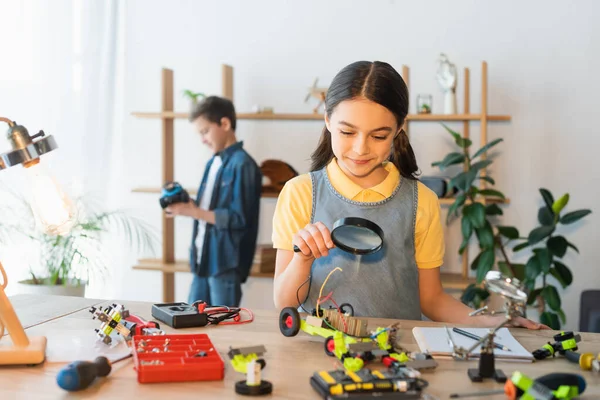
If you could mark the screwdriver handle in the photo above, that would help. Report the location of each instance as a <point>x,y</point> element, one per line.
<point>79,375</point>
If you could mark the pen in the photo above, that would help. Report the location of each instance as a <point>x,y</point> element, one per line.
<point>475,337</point>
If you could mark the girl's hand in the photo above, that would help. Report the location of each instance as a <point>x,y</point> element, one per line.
<point>521,322</point>
<point>185,209</point>
<point>314,240</point>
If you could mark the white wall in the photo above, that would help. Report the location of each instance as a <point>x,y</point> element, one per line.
<point>542,71</point>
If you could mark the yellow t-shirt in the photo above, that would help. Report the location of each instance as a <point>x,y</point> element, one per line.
<point>294,207</point>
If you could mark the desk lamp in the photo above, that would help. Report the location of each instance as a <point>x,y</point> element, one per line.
<point>53,211</point>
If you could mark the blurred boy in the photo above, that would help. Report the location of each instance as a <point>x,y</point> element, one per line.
<point>225,211</point>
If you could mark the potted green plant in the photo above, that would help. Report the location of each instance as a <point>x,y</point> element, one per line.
<point>64,264</point>
<point>193,96</point>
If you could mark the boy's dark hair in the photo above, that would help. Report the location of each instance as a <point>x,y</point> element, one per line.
<point>379,82</point>
<point>213,108</point>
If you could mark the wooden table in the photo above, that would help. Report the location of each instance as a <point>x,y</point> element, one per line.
<point>290,361</point>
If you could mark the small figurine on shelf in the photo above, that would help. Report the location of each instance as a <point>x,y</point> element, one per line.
<point>318,93</point>
<point>446,76</point>
<point>246,361</point>
<point>424,104</point>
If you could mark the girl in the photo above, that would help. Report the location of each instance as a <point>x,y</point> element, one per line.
<point>364,166</point>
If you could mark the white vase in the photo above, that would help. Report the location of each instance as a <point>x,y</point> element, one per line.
<point>72,288</point>
<point>449,102</point>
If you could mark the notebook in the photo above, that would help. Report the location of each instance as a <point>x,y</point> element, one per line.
<point>435,341</point>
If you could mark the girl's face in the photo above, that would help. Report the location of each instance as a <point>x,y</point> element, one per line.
<point>362,133</point>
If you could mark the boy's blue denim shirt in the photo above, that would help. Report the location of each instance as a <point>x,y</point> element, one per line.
<point>231,242</point>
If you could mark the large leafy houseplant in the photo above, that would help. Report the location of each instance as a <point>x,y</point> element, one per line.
<point>546,246</point>
<point>81,254</point>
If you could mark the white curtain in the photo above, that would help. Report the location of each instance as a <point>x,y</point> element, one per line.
<point>61,69</point>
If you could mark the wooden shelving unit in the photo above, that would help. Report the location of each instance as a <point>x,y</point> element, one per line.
<point>167,264</point>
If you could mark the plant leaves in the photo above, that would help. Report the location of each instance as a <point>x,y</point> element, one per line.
<point>574,216</point>
<point>539,234</point>
<point>571,245</point>
<point>557,246</point>
<point>504,269</point>
<point>519,271</point>
<point>559,204</point>
<point>480,165</point>
<point>476,213</point>
<point>458,139</point>
<point>533,296</point>
<point>550,294</point>
<point>548,198</point>
<point>466,228</point>
<point>463,246</point>
<point>491,193</point>
<point>485,264</point>
<point>485,236</point>
<point>550,319</point>
<point>520,246</point>
<point>509,232</point>
<point>493,209</point>
<point>468,294</point>
<point>475,262</point>
<point>532,268</point>
<point>463,181</point>
<point>562,273</point>
<point>562,316</point>
<point>486,147</point>
<point>544,258</point>
<point>546,216</point>
<point>488,179</point>
<point>450,159</point>
<point>453,210</point>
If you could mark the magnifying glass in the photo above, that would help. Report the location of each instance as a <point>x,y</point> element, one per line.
<point>356,235</point>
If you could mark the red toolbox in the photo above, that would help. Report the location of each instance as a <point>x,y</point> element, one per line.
<point>176,358</point>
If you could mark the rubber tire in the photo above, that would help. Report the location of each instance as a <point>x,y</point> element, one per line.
<point>326,345</point>
<point>295,328</point>
<point>242,388</point>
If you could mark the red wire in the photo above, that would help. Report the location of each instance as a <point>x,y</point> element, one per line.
<point>219,310</point>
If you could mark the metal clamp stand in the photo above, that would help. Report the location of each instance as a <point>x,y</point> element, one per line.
<point>515,299</point>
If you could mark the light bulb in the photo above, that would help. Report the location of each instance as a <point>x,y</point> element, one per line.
<point>53,209</point>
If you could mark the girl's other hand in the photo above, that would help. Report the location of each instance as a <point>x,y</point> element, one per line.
<point>314,240</point>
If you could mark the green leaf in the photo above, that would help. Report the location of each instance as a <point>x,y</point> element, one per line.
<point>453,210</point>
<point>488,179</point>
<point>463,246</point>
<point>562,273</point>
<point>485,236</point>
<point>539,234</point>
<point>504,269</point>
<point>480,165</point>
<point>450,159</point>
<point>520,246</point>
<point>463,181</point>
<point>491,193</point>
<point>493,209</point>
<point>562,316</point>
<point>574,216</point>
<point>550,294</point>
<point>486,262</point>
<point>476,214</point>
<point>486,147</point>
<point>559,204</point>
<point>475,262</point>
<point>509,232</point>
<point>532,268</point>
<point>533,296</point>
<point>571,245</point>
<point>550,319</point>
<point>544,258</point>
<point>468,294</point>
<point>467,228</point>
<point>548,198</point>
<point>519,271</point>
<point>557,246</point>
<point>546,216</point>
<point>458,139</point>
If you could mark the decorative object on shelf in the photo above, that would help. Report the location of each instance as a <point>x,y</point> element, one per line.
<point>447,78</point>
<point>424,103</point>
<point>318,93</point>
<point>548,250</point>
<point>193,96</point>
<point>262,110</point>
<point>278,173</point>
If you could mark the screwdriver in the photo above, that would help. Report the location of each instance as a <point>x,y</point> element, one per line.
<point>79,375</point>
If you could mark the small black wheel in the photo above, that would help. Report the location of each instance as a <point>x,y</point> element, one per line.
<point>346,308</point>
<point>329,346</point>
<point>289,322</point>
<point>265,387</point>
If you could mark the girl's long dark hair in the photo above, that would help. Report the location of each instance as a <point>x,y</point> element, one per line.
<point>379,82</point>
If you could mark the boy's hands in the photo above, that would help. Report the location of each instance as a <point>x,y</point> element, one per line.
<point>188,209</point>
<point>314,240</point>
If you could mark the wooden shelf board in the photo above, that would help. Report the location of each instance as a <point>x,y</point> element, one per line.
<point>191,192</point>
<point>319,117</point>
<point>489,200</point>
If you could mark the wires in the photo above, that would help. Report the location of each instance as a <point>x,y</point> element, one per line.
<point>323,285</point>
<point>223,315</point>
<point>298,294</point>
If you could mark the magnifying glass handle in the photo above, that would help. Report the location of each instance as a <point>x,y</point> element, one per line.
<point>296,249</point>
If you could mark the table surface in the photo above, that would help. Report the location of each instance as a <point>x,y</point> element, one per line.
<point>290,361</point>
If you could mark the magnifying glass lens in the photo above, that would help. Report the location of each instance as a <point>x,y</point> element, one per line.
<point>357,237</point>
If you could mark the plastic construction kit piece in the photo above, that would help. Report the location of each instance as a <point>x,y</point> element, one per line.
<point>248,360</point>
